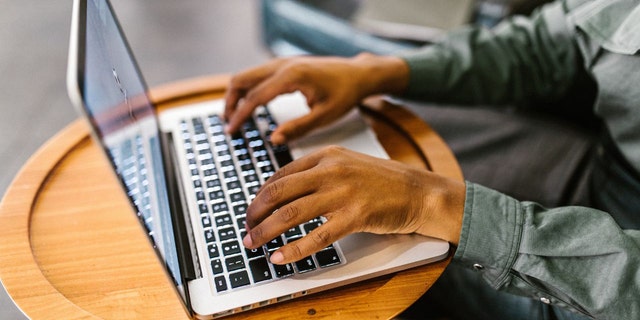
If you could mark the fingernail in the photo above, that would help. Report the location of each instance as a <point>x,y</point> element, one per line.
<point>247,242</point>
<point>277,257</point>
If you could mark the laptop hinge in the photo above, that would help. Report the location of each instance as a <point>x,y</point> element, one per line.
<point>187,258</point>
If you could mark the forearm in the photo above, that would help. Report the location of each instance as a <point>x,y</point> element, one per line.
<point>520,60</point>
<point>572,257</point>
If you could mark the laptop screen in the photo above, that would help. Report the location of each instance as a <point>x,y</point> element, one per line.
<point>115,99</point>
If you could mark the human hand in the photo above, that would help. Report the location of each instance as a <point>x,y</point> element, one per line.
<point>332,86</point>
<point>355,193</point>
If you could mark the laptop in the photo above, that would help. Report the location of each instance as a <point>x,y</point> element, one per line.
<point>190,184</point>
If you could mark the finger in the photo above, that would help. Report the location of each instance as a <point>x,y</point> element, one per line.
<point>318,239</point>
<point>259,95</point>
<point>244,81</point>
<point>231,98</point>
<point>286,217</point>
<point>287,184</point>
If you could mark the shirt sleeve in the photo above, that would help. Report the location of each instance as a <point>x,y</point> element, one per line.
<point>520,60</point>
<point>574,257</point>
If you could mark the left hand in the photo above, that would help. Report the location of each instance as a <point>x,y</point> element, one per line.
<point>355,193</point>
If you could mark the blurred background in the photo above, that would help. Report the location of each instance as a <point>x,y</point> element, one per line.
<point>173,40</point>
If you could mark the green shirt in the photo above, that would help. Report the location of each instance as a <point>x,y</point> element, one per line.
<point>574,257</point>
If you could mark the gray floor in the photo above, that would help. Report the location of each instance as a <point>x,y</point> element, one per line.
<point>172,40</point>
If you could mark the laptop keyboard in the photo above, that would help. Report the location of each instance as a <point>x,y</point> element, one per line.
<point>227,172</point>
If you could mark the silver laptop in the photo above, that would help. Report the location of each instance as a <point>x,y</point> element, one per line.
<point>190,184</point>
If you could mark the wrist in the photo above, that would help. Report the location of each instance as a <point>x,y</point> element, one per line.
<point>381,74</point>
<point>443,209</point>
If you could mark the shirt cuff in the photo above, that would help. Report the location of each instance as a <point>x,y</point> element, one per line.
<point>491,233</point>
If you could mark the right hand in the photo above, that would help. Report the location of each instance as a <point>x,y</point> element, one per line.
<point>355,193</point>
<point>332,86</point>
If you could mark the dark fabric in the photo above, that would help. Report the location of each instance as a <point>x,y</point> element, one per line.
<point>616,186</point>
<point>531,157</point>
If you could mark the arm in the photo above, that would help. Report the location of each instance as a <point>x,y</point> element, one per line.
<point>520,60</point>
<point>575,257</point>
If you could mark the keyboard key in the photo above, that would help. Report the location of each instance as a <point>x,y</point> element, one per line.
<point>241,222</point>
<point>254,253</point>
<point>216,266</point>
<point>211,184</point>
<point>226,163</point>
<point>292,239</point>
<point>213,250</point>
<point>260,270</point>
<point>275,243</point>
<point>293,232</point>
<point>237,197</point>
<point>206,221</point>
<point>240,209</point>
<point>283,270</point>
<point>209,236</point>
<point>220,207</point>
<point>221,283</point>
<point>223,220</point>
<point>253,190</point>
<point>210,172</point>
<point>234,184</point>
<point>305,265</point>
<point>227,234</point>
<point>234,263</point>
<point>216,196</point>
<point>230,174</point>
<point>230,248</point>
<point>282,154</point>
<point>310,226</point>
<point>251,178</point>
<point>327,257</point>
<point>239,279</point>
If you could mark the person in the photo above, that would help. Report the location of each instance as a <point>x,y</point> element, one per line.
<point>524,259</point>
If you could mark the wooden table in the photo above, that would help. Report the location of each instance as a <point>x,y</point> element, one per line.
<point>72,248</point>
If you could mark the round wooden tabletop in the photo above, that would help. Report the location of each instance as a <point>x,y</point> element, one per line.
<point>72,248</point>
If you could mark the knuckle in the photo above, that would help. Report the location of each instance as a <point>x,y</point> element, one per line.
<point>281,172</point>
<point>272,193</point>
<point>257,235</point>
<point>293,251</point>
<point>320,237</point>
<point>238,82</point>
<point>333,150</point>
<point>288,213</point>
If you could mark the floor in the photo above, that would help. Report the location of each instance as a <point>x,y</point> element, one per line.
<point>172,40</point>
